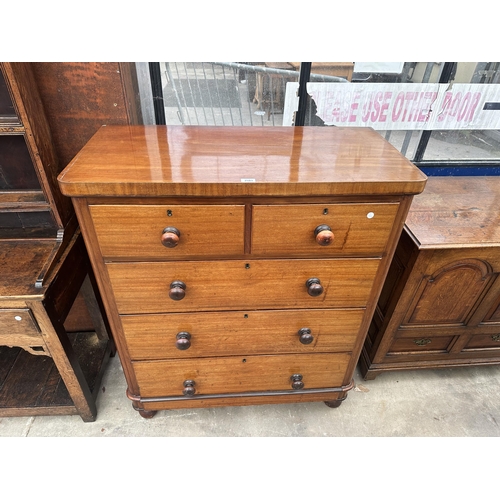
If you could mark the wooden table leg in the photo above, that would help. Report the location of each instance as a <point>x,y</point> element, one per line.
<point>65,359</point>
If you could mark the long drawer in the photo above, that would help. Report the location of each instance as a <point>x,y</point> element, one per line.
<point>233,285</point>
<point>237,374</point>
<point>135,231</point>
<point>357,229</point>
<point>194,335</point>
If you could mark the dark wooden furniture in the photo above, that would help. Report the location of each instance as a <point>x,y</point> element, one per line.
<point>43,369</point>
<point>239,265</point>
<point>440,305</point>
<point>44,266</point>
<point>80,97</point>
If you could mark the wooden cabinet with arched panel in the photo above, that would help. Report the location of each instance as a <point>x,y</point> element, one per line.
<point>440,306</point>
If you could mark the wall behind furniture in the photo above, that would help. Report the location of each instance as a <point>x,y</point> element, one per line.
<point>80,97</point>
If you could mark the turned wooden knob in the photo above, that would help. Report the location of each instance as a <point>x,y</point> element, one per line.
<point>324,235</point>
<point>183,341</point>
<point>170,237</point>
<point>189,389</point>
<point>314,287</point>
<point>305,336</point>
<point>297,381</point>
<point>177,290</point>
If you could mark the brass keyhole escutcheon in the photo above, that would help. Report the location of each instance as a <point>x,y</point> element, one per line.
<point>422,342</point>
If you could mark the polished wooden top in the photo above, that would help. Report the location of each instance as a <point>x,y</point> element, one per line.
<point>238,161</point>
<point>456,212</point>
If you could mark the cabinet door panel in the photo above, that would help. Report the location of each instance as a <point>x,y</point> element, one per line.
<point>450,295</point>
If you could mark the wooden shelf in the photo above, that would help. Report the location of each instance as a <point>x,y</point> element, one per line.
<point>44,268</point>
<point>31,385</point>
<point>23,200</point>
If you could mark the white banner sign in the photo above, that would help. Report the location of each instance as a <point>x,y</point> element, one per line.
<point>405,106</point>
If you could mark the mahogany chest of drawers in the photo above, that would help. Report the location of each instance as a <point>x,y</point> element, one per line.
<point>440,305</point>
<point>239,265</point>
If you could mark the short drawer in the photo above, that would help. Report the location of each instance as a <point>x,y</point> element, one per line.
<point>358,229</point>
<point>421,344</point>
<point>238,374</point>
<point>136,231</point>
<point>490,341</point>
<point>193,335</point>
<point>234,285</point>
<point>18,328</point>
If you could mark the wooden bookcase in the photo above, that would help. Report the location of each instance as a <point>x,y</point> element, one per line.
<point>44,267</point>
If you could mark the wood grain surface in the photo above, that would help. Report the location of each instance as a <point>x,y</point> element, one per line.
<point>240,374</point>
<point>238,161</point>
<point>19,328</point>
<point>457,212</point>
<point>134,231</point>
<point>228,285</point>
<point>358,228</point>
<point>153,336</point>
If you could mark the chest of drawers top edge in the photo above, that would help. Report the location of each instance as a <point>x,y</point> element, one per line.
<point>133,160</point>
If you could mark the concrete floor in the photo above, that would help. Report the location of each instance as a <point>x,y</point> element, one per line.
<point>460,402</point>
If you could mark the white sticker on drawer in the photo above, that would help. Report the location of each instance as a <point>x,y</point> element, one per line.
<point>247,180</point>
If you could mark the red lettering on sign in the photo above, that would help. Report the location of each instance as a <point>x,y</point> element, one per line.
<point>473,106</point>
<point>354,106</point>
<point>399,103</point>
<point>376,107</point>
<point>463,107</point>
<point>385,106</point>
<point>367,107</point>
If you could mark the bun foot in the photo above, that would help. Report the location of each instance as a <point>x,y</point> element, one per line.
<point>336,402</point>
<point>147,413</point>
<point>143,413</point>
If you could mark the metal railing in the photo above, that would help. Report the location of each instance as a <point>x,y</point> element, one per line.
<point>227,93</point>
